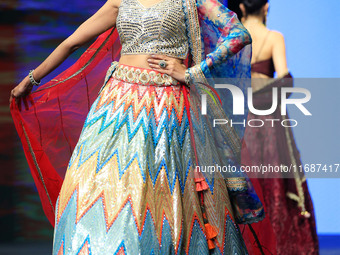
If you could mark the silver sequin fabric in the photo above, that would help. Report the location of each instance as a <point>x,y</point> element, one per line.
<point>157,29</point>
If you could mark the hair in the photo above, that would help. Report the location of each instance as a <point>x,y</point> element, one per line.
<point>233,5</point>
<point>253,6</point>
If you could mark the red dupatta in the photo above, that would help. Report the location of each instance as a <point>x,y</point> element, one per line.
<point>50,128</point>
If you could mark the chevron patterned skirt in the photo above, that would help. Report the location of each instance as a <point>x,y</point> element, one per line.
<point>129,187</point>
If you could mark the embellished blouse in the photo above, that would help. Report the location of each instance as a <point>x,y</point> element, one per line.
<point>158,29</point>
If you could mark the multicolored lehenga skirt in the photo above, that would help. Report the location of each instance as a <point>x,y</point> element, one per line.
<point>129,187</point>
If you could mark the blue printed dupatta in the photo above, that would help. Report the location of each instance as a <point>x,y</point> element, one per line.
<point>221,54</point>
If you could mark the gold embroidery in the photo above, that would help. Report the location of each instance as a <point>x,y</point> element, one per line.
<point>201,82</point>
<point>37,167</point>
<point>236,183</point>
<point>300,196</point>
<point>146,77</point>
<point>194,31</point>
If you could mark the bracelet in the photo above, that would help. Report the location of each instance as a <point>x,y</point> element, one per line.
<point>32,80</point>
<point>187,77</point>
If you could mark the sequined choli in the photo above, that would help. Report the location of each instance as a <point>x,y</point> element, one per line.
<point>158,29</point>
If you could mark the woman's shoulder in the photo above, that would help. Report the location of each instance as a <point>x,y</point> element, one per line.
<point>276,36</point>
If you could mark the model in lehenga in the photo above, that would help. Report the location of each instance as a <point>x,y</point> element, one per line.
<point>287,201</point>
<point>131,185</point>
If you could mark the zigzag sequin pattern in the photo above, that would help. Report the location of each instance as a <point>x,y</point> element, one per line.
<point>129,186</point>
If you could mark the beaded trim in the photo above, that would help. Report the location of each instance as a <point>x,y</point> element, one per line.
<point>193,28</point>
<point>143,76</point>
<point>187,77</point>
<point>236,183</point>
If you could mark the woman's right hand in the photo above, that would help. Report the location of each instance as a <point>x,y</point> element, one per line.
<point>21,92</point>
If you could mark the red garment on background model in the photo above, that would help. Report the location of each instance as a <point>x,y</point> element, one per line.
<point>287,201</point>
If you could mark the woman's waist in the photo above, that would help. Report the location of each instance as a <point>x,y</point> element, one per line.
<point>140,60</point>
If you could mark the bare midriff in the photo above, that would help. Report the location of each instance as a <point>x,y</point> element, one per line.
<point>140,60</point>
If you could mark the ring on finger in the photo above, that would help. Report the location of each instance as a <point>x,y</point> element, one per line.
<point>162,64</point>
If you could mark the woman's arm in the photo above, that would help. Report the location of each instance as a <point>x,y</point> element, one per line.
<point>102,20</point>
<point>279,54</point>
<point>232,37</point>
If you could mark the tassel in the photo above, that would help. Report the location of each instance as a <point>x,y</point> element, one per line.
<point>201,184</point>
<point>306,214</point>
<point>211,244</point>
<point>210,231</point>
<point>199,179</point>
<point>204,185</point>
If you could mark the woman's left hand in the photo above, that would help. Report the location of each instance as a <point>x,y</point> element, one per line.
<point>173,67</point>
